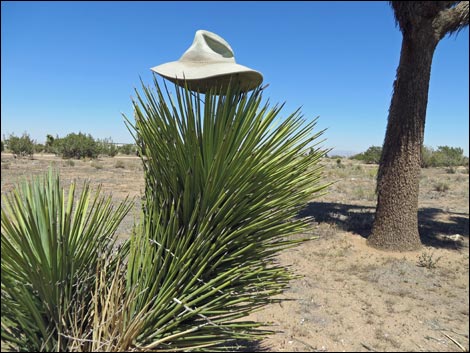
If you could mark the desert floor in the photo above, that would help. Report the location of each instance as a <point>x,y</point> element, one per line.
<point>349,297</point>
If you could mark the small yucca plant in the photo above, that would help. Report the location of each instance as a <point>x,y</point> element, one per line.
<point>52,245</point>
<point>225,181</point>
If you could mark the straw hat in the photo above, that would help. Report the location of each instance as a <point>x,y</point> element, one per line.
<point>209,62</point>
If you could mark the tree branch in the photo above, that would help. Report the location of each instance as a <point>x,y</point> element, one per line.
<point>451,20</point>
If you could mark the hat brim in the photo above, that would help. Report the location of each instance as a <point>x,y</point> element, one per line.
<point>202,77</point>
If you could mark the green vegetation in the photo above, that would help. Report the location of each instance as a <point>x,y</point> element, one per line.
<point>444,156</point>
<point>49,145</point>
<point>426,259</point>
<point>76,146</point>
<point>53,253</point>
<point>224,183</point>
<point>107,147</point>
<point>128,149</point>
<point>81,146</point>
<point>371,156</point>
<point>21,146</point>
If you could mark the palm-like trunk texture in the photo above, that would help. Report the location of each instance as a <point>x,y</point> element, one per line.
<point>423,24</point>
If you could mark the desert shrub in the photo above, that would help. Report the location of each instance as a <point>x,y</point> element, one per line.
<point>339,164</point>
<point>334,156</point>
<point>428,260</point>
<point>444,156</point>
<point>371,156</point>
<point>3,147</point>
<point>69,163</point>
<point>107,147</point>
<point>224,182</point>
<point>119,164</point>
<point>76,146</point>
<point>441,187</point>
<point>21,146</point>
<point>128,149</point>
<point>53,249</point>
<point>96,164</point>
<point>449,156</point>
<point>39,147</point>
<point>451,170</point>
<point>49,146</point>
<point>427,157</point>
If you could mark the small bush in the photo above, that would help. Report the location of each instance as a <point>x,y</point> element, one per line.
<point>371,156</point>
<point>21,146</point>
<point>69,163</point>
<point>49,146</point>
<point>96,165</point>
<point>373,172</point>
<point>77,146</point>
<point>107,147</point>
<point>128,149</point>
<point>427,259</point>
<point>444,156</point>
<point>451,170</point>
<point>119,164</point>
<point>441,187</point>
<point>38,148</point>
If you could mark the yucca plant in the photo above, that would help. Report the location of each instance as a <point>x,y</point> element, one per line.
<point>52,245</point>
<point>225,180</point>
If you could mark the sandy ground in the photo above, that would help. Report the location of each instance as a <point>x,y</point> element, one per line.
<point>348,297</point>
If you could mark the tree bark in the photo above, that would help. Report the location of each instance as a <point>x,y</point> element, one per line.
<point>396,219</point>
<point>423,24</point>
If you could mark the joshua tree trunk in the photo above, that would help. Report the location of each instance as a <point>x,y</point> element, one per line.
<point>396,224</point>
<point>423,24</point>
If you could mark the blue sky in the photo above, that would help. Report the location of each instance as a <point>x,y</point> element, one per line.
<point>73,66</point>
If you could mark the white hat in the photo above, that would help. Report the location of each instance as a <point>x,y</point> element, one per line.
<point>208,63</point>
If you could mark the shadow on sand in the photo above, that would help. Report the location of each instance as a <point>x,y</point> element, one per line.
<point>358,219</point>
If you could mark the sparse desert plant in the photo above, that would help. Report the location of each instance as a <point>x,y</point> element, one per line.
<point>224,182</point>
<point>441,186</point>
<point>451,170</point>
<point>51,247</point>
<point>96,164</point>
<point>119,164</point>
<point>427,259</point>
<point>373,172</point>
<point>69,163</point>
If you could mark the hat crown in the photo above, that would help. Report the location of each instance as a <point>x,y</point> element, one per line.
<point>208,47</point>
